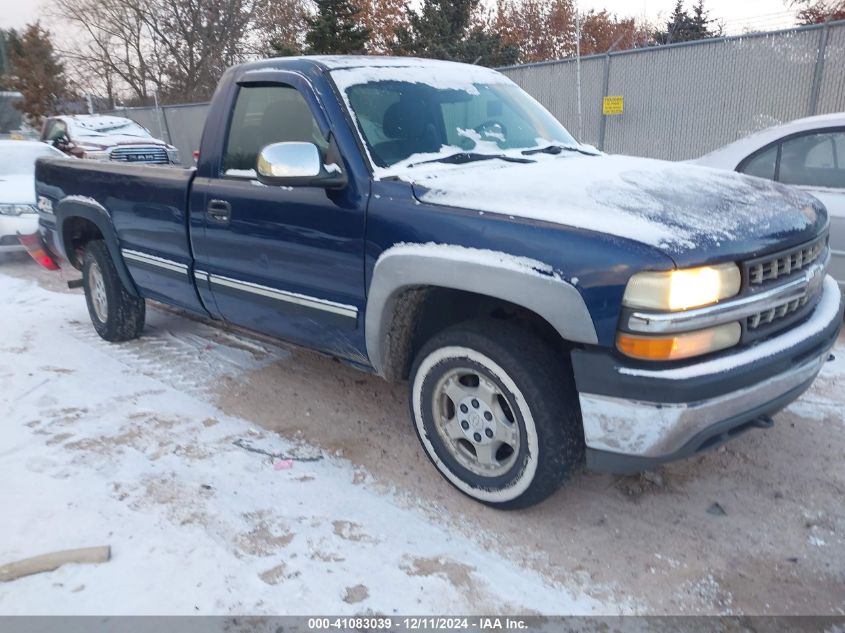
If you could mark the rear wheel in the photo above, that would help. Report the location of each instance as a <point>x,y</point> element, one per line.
<point>496,411</point>
<point>116,314</point>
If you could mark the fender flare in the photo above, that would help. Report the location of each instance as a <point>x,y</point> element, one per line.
<point>519,280</point>
<point>91,210</point>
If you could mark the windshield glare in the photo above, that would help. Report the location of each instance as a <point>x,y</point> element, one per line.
<point>19,160</point>
<point>401,119</point>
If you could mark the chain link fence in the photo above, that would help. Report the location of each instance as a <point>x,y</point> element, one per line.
<point>684,100</point>
<point>680,101</point>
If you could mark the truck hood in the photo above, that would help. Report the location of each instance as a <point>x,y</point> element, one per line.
<point>695,215</point>
<point>103,141</point>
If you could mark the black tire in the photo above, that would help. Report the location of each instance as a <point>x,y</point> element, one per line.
<point>529,380</point>
<point>121,316</point>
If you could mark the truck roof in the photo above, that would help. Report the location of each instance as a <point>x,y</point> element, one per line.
<point>336,62</point>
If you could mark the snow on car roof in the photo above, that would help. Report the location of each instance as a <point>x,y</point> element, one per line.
<point>333,62</point>
<point>730,155</point>
<point>34,145</point>
<point>443,75</point>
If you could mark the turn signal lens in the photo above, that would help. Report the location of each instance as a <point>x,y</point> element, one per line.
<point>32,244</point>
<point>680,345</point>
<point>683,289</point>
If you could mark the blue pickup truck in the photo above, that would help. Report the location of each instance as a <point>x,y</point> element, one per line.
<point>430,222</point>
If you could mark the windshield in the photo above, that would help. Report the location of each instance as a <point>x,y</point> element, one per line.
<point>401,119</point>
<point>18,158</point>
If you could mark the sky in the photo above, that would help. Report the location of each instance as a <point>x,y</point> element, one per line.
<point>736,15</point>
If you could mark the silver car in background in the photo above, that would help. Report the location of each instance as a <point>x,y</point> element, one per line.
<point>806,153</point>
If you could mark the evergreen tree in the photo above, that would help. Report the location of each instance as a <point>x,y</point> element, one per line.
<point>37,72</point>
<point>703,26</point>
<point>335,29</point>
<point>683,27</point>
<point>443,29</point>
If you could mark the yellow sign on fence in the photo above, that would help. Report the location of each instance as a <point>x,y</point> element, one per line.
<point>613,105</point>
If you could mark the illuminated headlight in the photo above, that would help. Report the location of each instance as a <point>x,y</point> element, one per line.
<point>683,289</point>
<point>17,209</point>
<point>679,346</point>
<point>173,156</point>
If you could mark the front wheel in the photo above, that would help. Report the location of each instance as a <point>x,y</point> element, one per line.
<point>117,315</point>
<point>496,411</point>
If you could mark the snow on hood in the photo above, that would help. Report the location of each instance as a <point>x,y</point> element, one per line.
<point>17,189</point>
<point>110,140</point>
<point>106,131</point>
<point>675,207</point>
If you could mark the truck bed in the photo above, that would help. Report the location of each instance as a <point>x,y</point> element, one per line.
<point>147,207</point>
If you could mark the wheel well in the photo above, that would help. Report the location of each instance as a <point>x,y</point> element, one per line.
<point>76,233</point>
<point>421,312</point>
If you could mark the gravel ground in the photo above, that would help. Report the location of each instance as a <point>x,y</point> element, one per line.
<point>755,527</point>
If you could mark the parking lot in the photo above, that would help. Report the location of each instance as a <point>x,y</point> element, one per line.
<point>270,475</point>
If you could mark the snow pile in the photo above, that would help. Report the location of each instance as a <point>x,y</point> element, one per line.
<point>102,449</point>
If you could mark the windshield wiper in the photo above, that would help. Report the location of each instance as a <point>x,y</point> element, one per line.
<point>461,158</point>
<point>557,149</point>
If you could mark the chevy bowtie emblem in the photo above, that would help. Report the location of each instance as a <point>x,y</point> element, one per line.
<point>815,276</point>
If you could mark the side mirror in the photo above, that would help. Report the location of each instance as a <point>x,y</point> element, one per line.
<point>295,164</point>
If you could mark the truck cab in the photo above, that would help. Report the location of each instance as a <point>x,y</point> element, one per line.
<point>430,222</point>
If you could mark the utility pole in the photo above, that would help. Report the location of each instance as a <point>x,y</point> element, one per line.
<point>578,71</point>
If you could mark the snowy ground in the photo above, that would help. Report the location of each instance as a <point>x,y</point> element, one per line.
<point>174,450</point>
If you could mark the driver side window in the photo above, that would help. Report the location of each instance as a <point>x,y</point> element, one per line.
<point>265,115</point>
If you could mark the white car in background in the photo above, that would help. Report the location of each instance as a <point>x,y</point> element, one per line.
<point>18,212</point>
<point>106,137</point>
<point>807,153</point>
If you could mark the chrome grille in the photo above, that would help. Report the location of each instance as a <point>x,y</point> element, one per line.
<point>764,318</point>
<point>152,155</point>
<point>784,264</point>
<point>777,269</point>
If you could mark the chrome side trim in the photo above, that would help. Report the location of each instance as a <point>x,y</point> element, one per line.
<point>152,260</point>
<point>733,310</point>
<point>289,297</point>
<point>201,275</point>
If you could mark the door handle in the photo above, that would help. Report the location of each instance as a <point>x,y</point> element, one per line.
<point>219,211</point>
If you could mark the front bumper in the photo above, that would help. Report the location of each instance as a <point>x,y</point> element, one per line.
<point>11,225</point>
<point>638,417</point>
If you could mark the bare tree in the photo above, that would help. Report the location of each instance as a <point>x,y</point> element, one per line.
<point>198,40</point>
<point>114,50</point>
<point>177,48</point>
<point>818,11</point>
